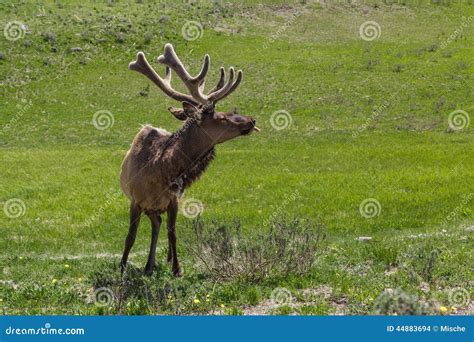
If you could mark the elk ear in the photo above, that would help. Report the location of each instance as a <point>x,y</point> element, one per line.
<point>189,109</point>
<point>178,113</point>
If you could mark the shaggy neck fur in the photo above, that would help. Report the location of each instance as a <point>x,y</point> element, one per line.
<point>192,151</point>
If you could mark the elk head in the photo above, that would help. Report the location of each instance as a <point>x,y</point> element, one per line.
<point>198,106</point>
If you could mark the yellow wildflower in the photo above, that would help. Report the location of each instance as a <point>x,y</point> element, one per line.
<point>443,309</point>
<point>55,281</point>
<point>222,306</point>
<point>66,266</point>
<point>196,301</point>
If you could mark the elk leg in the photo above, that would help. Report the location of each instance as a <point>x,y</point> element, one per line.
<point>169,257</point>
<point>135,213</point>
<point>172,213</point>
<point>155,219</point>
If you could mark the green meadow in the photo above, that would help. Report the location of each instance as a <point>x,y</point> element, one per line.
<point>366,139</point>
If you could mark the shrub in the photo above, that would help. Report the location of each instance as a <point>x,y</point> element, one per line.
<point>421,263</point>
<point>398,302</point>
<point>287,247</point>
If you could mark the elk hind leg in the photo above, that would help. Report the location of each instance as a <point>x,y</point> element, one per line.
<point>135,213</point>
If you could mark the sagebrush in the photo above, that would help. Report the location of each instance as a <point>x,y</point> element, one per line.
<point>286,247</point>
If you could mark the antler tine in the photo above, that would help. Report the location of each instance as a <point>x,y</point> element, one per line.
<point>234,86</point>
<point>171,59</point>
<point>228,88</point>
<point>201,77</point>
<point>142,66</point>
<point>221,82</point>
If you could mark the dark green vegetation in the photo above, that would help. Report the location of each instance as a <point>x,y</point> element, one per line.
<point>369,119</point>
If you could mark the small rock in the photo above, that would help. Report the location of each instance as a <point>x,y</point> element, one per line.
<point>164,19</point>
<point>364,238</point>
<point>76,49</point>
<point>49,37</point>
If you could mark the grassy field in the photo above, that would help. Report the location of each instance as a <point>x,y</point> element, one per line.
<point>347,118</point>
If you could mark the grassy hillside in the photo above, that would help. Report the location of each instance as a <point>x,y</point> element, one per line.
<point>345,115</point>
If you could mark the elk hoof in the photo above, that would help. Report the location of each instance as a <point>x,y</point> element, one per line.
<point>177,273</point>
<point>148,270</point>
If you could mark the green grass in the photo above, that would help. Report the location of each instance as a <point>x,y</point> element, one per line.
<point>317,68</point>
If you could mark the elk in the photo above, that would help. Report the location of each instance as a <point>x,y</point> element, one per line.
<point>159,165</point>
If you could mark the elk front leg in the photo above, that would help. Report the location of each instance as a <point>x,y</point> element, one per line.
<point>172,213</point>
<point>135,213</point>
<point>155,219</point>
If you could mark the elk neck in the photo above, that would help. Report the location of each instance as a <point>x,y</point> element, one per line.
<point>191,152</point>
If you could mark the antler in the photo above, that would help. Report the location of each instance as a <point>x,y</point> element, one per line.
<point>142,66</point>
<point>195,85</point>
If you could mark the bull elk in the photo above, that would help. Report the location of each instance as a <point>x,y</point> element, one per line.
<point>159,165</point>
